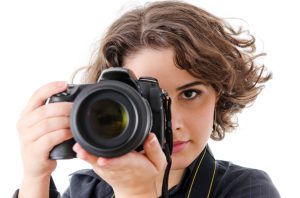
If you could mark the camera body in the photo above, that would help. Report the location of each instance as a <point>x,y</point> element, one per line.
<point>113,116</point>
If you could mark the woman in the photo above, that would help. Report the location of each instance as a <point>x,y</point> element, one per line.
<point>210,74</point>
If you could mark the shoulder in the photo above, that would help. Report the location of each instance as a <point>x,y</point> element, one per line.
<point>86,183</point>
<point>237,181</point>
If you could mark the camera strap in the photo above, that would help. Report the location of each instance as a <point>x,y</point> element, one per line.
<point>201,183</point>
<point>168,146</point>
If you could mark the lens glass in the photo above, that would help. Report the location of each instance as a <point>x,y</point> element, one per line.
<point>108,118</point>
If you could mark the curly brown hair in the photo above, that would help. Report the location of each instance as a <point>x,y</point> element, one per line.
<point>206,46</point>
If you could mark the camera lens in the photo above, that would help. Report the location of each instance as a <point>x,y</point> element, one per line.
<point>108,118</point>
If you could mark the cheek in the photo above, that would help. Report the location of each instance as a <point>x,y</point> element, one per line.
<point>201,121</point>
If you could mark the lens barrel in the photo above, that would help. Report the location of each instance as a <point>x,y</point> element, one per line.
<point>110,119</point>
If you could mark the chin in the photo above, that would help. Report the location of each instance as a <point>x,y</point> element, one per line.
<point>179,163</point>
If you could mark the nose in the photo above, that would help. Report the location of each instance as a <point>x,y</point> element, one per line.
<point>177,117</point>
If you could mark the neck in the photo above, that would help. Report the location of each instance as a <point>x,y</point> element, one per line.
<point>174,179</point>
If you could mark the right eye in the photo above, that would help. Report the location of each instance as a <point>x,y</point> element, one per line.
<point>190,94</point>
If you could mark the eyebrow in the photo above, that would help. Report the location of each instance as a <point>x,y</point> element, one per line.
<point>189,85</point>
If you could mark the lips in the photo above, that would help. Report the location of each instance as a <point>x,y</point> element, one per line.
<point>179,146</point>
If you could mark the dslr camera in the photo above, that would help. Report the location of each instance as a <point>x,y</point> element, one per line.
<point>113,116</point>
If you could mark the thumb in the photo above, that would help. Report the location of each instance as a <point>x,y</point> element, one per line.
<point>154,152</point>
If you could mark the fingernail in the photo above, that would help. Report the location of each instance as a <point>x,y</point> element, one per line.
<point>75,147</point>
<point>61,84</point>
<point>102,161</point>
<point>152,139</point>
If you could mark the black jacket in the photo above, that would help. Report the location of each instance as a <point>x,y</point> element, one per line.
<point>226,180</point>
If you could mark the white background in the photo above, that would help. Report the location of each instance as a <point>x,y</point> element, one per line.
<point>42,41</point>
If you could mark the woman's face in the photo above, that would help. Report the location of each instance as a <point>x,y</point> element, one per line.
<point>192,102</point>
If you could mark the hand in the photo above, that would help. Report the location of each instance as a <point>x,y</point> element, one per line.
<point>40,128</point>
<point>133,174</point>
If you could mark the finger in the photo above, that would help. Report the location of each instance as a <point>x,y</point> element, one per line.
<point>154,152</point>
<point>48,141</point>
<point>131,159</point>
<point>84,155</point>
<point>39,97</point>
<point>48,126</point>
<point>47,111</point>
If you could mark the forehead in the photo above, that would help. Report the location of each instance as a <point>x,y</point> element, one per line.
<point>150,62</point>
<point>159,64</point>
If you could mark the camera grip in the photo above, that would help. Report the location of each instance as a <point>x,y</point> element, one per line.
<point>63,150</point>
